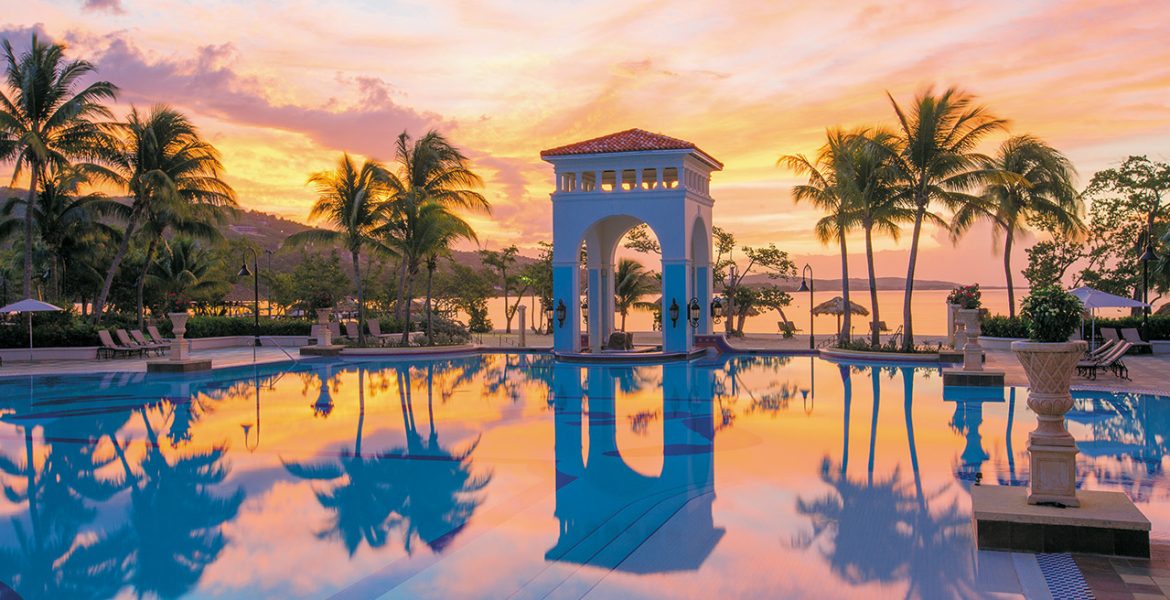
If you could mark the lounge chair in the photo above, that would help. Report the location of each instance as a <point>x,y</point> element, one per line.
<point>334,329</point>
<point>1131,335</point>
<point>155,336</point>
<point>375,328</point>
<point>881,326</point>
<point>125,340</point>
<point>111,349</point>
<point>1102,349</point>
<point>1111,360</point>
<point>160,347</point>
<point>1110,334</point>
<point>352,330</point>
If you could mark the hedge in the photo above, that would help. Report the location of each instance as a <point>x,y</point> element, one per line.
<point>1001,326</point>
<point>65,331</point>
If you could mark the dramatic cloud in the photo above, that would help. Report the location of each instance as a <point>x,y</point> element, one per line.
<point>113,6</point>
<point>746,80</point>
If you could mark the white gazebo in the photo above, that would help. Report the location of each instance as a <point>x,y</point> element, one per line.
<point>609,185</point>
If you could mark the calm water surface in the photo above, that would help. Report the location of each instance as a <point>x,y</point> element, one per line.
<point>513,476</point>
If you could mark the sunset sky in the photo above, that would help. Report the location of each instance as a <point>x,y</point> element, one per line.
<point>281,88</point>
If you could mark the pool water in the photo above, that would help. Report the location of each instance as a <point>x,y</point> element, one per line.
<point>511,475</point>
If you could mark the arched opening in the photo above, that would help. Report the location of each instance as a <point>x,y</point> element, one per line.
<point>620,277</point>
<point>701,272</point>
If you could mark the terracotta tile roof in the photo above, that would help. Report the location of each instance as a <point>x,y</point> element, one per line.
<point>630,140</point>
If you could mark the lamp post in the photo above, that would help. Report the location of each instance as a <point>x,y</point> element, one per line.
<point>548,317</point>
<point>806,285</point>
<point>255,274</point>
<point>730,289</point>
<point>268,288</point>
<point>1147,256</point>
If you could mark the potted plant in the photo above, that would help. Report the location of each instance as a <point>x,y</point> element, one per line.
<point>1049,360</point>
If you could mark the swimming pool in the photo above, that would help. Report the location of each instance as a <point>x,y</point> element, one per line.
<point>512,475</point>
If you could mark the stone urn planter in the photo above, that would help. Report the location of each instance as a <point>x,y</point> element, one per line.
<point>972,351</point>
<point>179,329</point>
<point>1050,368</point>
<point>953,326</point>
<point>324,334</point>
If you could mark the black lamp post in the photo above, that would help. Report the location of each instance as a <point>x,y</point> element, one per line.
<point>1147,256</point>
<point>673,312</point>
<point>268,288</point>
<point>255,274</point>
<point>716,310</point>
<point>694,312</point>
<point>806,285</point>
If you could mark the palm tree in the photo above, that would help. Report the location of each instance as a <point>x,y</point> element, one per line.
<point>438,230</point>
<point>182,268</point>
<point>66,223</point>
<point>631,282</point>
<point>45,122</point>
<point>1034,186</point>
<point>934,154</point>
<point>168,168</point>
<point>830,189</point>
<point>429,171</point>
<point>877,203</point>
<point>353,201</point>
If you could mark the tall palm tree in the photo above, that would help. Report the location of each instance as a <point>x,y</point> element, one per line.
<point>877,205</point>
<point>64,220</point>
<point>829,189</point>
<point>429,170</point>
<point>631,282</point>
<point>45,121</point>
<point>352,200</point>
<point>1034,186</point>
<point>165,164</point>
<point>937,164</point>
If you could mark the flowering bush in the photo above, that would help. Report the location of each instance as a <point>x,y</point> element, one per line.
<point>1052,314</point>
<point>967,296</point>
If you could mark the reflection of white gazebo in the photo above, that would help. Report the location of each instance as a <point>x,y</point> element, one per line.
<point>605,187</point>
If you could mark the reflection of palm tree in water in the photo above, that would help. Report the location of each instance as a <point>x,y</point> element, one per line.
<point>175,528</point>
<point>421,489</point>
<point>883,532</point>
<point>441,492</point>
<point>364,505</point>
<point>53,559</point>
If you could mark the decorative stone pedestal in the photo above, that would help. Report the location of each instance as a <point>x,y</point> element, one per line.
<point>1106,523</point>
<point>319,350</point>
<point>180,360</point>
<point>1053,450</point>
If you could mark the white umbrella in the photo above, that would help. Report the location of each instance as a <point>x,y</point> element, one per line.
<point>1093,299</point>
<point>29,306</point>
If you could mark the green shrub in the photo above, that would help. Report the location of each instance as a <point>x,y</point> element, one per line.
<point>206,326</point>
<point>1004,327</point>
<point>1052,314</point>
<point>1159,325</point>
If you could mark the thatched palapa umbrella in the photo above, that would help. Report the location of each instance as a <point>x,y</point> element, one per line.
<point>836,306</point>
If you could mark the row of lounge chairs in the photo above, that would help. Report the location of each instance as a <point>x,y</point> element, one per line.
<point>1107,357</point>
<point>133,343</point>
<point>1127,334</point>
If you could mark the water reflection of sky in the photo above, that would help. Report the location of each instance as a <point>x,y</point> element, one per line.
<point>510,474</point>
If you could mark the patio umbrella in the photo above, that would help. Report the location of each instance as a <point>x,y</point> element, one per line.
<point>836,306</point>
<point>1093,299</point>
<point>28,306</point>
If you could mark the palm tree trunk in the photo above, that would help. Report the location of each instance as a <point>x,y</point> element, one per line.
<point>409,298</point>
<point>507,313</point>
<point>100,303</point>
<point>1007,271</point>
<point>28,229</point>
<point>430,321</point>
<point>140,285</point>
<point>907,314</point>
<point>361,297</point>
<point>875,333</point>
<point>623,320</point>
<point>401,292</point>
<point>846,332</point>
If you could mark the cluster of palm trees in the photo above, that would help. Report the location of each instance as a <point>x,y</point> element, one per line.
<point>877,179</point>
<point>63,137</point>
<point>407,210</point>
